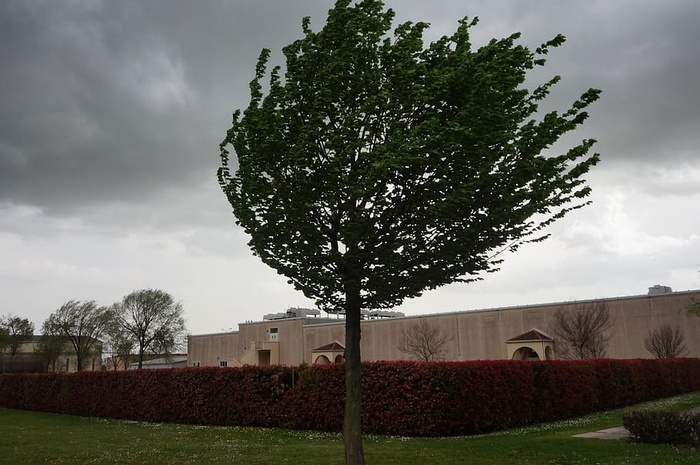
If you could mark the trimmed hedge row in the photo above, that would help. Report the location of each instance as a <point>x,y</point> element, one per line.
<point>399,398</point>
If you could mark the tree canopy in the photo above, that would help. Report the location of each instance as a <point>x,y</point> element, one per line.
<point>374,167</point>
<point>19,330</point>
<point>81,324</point>
<point>407,167</point>
<point>50,346</point>
<point>150,319</point>
<point>118,347</point>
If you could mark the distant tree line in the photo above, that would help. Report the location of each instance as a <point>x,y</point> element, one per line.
<point>147,321</point>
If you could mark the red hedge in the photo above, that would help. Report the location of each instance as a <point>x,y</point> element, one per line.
<point>400,398</point>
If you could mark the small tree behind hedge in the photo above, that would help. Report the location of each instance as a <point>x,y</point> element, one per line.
<point>81,324</point>
<point>424,342</point>
<point>18,331</point>
<point>582,331</point>
<point>666,342</point>
<point>150,319</point>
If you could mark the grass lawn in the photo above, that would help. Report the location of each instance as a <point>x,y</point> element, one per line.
<point>33,438</point>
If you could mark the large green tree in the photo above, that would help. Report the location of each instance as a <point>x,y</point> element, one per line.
<point>81,324</point>
<point>377,167</point>
<point>152,319</point>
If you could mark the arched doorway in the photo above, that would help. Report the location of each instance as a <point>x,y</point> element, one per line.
<point>322,360</point>
<point>548,353</point>
<point>525,353</point>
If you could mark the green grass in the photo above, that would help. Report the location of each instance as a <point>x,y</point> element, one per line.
<point>33,438</point>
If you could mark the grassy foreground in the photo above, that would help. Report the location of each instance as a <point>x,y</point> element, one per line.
<point>33,438</point>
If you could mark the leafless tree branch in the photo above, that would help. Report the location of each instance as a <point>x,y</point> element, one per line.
<point>424,342</point>
<point>666,342</point>
<point>582,331</point>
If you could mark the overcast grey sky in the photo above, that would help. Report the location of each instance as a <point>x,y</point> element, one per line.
<point>111,113</point>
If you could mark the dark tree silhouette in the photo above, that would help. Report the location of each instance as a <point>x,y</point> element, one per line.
<point>151,319</point>
<point>582,331</point>
<point>666,342</point>
<point>19,330</point>
<point>81,324</point>
<point>423,342</point>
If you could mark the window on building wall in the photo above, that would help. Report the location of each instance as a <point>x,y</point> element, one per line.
<point>274,332</point>
<point>195,364</point>
<point>223,363</point>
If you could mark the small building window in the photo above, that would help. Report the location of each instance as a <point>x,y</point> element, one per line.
<point>274,332</point>
<point>223,363</point>
<point>195,364</point>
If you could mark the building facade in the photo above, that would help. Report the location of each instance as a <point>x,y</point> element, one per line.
<point>522,332</point>
<point>30,358</point>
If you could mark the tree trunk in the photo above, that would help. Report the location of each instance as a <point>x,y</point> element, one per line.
<point>142,349</point>
<point>78,357</point>
<point>352,426</point>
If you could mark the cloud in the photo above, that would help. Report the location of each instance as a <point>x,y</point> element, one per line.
<point>616,234</point>
<point>111,114</point>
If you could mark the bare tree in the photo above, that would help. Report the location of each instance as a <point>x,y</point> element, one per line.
<point>582,331</point>
<point>666,342</point>
<point>152,320</point>
<point>424,342</point>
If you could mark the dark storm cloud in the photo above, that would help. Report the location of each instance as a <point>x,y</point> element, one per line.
<point>116,101</point>
<point>79,121</point>
<point>643,58</point>
<point>642,54</point>
<point>111,112</point>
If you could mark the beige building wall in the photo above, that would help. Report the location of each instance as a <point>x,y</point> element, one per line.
<point>473,335</point>
<point>28,360</point>
<point>211,349</point>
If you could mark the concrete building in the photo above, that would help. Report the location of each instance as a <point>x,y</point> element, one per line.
<point>522,332</point>
<point>161,362</point>
<point>30,359</point>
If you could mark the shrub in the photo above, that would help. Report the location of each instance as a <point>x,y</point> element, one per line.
<point>663,427</point>
<point>399,398</point>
